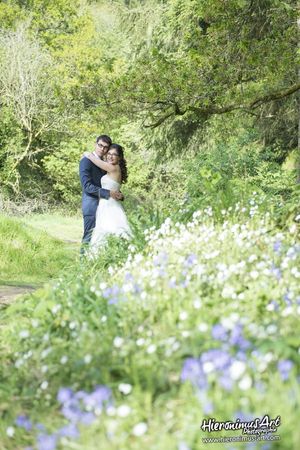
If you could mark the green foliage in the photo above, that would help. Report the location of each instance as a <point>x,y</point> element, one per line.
<point>62,168</point>
<point>137,316</point>
<point>28,255</point>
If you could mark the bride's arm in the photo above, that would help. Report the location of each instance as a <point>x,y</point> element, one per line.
<point>99,163</point>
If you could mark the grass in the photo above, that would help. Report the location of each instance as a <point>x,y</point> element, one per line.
<point>59,226</point>
<point>29,255</point>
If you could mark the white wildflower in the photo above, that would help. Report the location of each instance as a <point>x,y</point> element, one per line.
<point>44,385</point>
<point>140,342</point>
<point>125,388</point>
<point>87,359</point>
<point>203,327</point>
<point>197,304</point>
<point>236,369</point>
<point>10,431</point>
<point>118,341</point>
<point>183,315</point>
<point>245,383</point>
<point>151,349</point>
<point>139,429</point>
<point>123,411</point>
<point>24,334</point>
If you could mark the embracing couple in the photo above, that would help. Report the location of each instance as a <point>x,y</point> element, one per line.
<point>101,174</point>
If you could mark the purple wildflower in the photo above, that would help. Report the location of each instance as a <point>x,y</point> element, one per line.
<point>226,381</point>
<point>287,298</point>
<point>87,418</point>
<point>238,339</point>
<point>128,276</point>
<point>219,332</point>
<point>277,246</point>
<point>284,367</point>
<point>160,259</point>
<point>190,260</point>
<point>274,304</point>
<point>96,399</point>
<point>220,358</point>
<point>193,372</point>
<point>46,442</point>
<point>64,395</point>
<point>69,430</point>
<point>208,407</point>
<point>71,411</point>
<point>23,422</point>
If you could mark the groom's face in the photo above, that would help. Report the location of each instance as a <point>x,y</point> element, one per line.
<point>101,148</point>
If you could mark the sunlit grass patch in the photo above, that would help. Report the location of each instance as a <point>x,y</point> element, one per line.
<point>29,255</point>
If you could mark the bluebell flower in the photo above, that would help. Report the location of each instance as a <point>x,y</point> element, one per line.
<point>137,289</point>
<point>220,358</point>
<point>208,407</point>
<point>71,411</point>
<point>46,442</point>
<point>160,259</point>
<point>192,371</point>
<point>226,381</point>
<point>275,304</point>
<point>102,394</point>
<point>128,276</point>
<point>287,298</point>
<point>113,301</point>
<point>184,283</point>
<point>69,430</point>
<point>276,272</point>
<point>284,367</point>
<point>244,417</point>
<point>190,260</point>
<point>219,332</point>
<point>266,446</point>
<point>86,418</point>
<point>23,422</point>
<point>237,338</point>
<point>64,395</point>
<point>277,246</point>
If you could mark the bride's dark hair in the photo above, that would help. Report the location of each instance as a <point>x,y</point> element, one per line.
<point>122,161</point>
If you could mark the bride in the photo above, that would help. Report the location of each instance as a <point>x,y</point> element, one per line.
<point>110,215</point>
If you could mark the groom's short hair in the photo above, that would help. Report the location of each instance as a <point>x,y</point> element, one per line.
<point>104,138</point>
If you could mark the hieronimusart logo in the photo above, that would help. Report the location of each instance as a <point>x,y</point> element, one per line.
<point>257,426</point>
<point>259,429</point>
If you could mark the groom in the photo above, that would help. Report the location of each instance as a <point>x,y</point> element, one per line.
<point>90,178</point>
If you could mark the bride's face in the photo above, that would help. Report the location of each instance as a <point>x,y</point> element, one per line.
<point>112,156</point>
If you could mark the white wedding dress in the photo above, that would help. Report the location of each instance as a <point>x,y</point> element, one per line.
<point>110,217</point>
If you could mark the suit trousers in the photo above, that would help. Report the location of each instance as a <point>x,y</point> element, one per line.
<point>89,223</point>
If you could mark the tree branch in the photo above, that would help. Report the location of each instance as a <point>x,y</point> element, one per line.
<point>204,112</point>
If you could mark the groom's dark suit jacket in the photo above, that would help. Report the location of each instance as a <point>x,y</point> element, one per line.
<point>90,178</point>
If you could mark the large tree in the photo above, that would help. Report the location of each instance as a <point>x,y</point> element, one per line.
<point>207,57</point>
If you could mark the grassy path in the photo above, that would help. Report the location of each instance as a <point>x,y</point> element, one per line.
<point>34,250</point>
<point>9,293</point>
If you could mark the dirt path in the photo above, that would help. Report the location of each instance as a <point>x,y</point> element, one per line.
<point>10,293</point>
